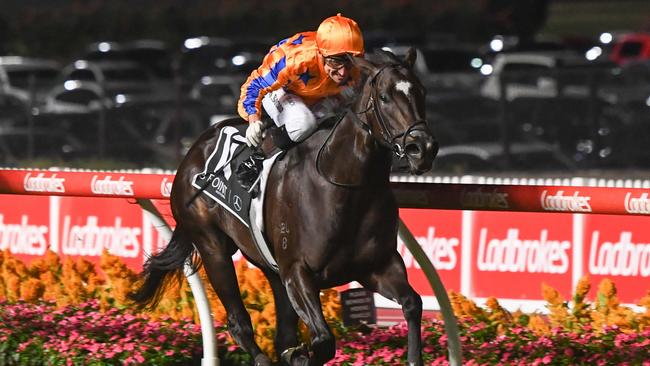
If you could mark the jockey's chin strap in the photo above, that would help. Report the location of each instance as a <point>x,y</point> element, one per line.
<point>394,142</point>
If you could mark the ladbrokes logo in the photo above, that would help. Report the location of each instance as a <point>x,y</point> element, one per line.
<point>90,239</point>
<point>23,238</point>
<point>512,254</point>
<point>118,187</point>
<point>621,258</point>
<point>560,202</point>
<point>639,205</point>
<point>41,183</point>
<point>441,251</point>
<point>166,187</point>
<point>481,199</point>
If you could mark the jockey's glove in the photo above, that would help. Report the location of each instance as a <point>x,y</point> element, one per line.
<point>254,133</point>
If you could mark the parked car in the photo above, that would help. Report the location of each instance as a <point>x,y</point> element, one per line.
<point>13,112</point>
<point>26,79</point>
<point>201,56</point>
<point>491,157</point>
<point>546,75</point>
<point>153,55</point>
<point>118,78</point>
<point>631,47</point>
<point>76,96</point>
<point>216,96</point>
<point>247,53</point>
<point>445,69</point>
<point>138,130</point>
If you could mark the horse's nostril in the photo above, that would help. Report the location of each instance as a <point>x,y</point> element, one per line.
<point>413,150</point>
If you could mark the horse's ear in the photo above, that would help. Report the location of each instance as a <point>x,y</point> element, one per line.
<point>363,64</point>
<point>409,59</point>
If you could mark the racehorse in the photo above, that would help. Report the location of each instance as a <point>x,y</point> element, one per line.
<point>330,217</point>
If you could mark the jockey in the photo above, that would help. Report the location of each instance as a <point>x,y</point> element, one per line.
<point>302,81</point>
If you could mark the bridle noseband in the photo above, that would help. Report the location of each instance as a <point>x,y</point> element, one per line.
<point>393,142</point>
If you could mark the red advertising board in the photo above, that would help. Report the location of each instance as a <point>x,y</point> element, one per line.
<point>24,225</point>
<point>514,253</point>
<point>439,234</point>
<point>77,227</point>
<point>88,226</point>
<point>618,248</point>
<point>508,254</point>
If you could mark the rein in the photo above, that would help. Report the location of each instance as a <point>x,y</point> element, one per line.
<point>387,140</point>
<point>394,142</point>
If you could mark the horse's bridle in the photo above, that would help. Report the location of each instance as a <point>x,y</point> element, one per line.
<point>387,139</point>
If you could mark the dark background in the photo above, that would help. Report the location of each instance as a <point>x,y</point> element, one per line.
<point>58,28</point>
<point>575,128</point>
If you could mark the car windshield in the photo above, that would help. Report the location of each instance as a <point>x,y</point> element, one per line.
<point>126,74</point>
<point>448,60</point>
<point>78,96</point>
<point>523,73</point>
<point>631,48</point>
<point>25,78</point>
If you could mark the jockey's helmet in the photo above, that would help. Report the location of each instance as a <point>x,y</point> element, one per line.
<point>337,35</point>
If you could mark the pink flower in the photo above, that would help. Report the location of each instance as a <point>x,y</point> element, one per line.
<point>22,346</point>
<point>138,357</point>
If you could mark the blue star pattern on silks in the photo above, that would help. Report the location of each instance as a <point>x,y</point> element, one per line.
<point>305,77</point>
<point>298,40</point>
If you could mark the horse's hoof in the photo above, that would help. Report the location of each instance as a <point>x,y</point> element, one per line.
<point>263,360</point>
<point>295,356</point>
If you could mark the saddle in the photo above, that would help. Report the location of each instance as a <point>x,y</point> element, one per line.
<point>219,182</point>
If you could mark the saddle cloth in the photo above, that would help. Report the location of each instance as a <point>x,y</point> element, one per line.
<point>218,181</point>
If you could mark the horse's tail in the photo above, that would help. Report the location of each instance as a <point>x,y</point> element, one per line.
<point>161,268</point>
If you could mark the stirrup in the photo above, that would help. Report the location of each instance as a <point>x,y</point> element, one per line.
<point>249,170</point>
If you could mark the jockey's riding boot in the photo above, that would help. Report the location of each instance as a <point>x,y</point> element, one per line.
<point>281,138</point>
<point>249,169</point>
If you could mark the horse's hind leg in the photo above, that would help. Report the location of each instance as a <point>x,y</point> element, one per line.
<point>216,251</point>
<point>391,282</point>
<point>305,297</point>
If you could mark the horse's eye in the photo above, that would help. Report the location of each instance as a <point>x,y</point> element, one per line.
<point>383,97</point>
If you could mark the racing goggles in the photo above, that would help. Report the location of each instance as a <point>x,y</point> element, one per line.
<point>338,62</point>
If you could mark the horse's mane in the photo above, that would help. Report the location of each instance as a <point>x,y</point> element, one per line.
<point>380,56</point>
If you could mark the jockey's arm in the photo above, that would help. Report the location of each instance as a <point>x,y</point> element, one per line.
<point>273,74</point>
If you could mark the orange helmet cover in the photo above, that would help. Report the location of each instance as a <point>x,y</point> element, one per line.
<point>337,35</point>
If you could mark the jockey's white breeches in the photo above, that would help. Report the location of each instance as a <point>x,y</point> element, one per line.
<point>290,111</point>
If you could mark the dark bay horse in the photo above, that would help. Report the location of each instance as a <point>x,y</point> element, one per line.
<point>329,216</point>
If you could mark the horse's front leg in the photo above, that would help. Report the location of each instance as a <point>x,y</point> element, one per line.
<point>286,319</point>
<point>305,298</point>
<point>391,282</point>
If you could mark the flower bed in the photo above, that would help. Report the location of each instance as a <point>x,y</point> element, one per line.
<point>484,344</point>
<point>54,313</point>
<point>42,334</point>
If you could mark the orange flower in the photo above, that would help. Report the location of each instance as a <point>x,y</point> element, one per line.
<point>12,287</point>
<point>31,290</point>
<point>538,325</point>
<point>499,315</point>
<point>559,310</point>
